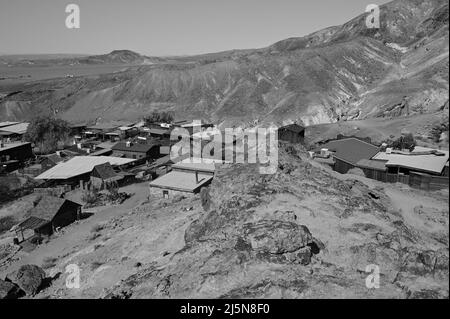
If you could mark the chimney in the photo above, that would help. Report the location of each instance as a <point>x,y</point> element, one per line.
<point>128,144</point>
<point>79,146</point>
<point>196,177</point>
<point>58,153</point>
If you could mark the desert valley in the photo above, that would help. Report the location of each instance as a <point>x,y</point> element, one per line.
<point>88,175</point>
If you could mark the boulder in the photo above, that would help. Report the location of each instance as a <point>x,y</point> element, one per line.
<point>8,290</point>
<point>29,278</point>
<point>277,237</point>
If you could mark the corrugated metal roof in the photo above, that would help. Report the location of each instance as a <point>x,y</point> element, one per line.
<point>20,128</point>
<point>181,181</point>
<point>351,150</point>
<point>134,147</point>
<point>7,123</point>
<point>33,223</point>
<point>427,163</point>
<point>199,165</point>
<point>80,165</point>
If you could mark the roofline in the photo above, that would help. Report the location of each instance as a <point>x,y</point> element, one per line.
<point>416,169</point>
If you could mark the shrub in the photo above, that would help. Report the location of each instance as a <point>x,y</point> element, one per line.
<point>406,141</point>
<point>6,223</point>
<point>97,228</point>
<point>90,197</point>
<point>49,262</point>
<point>96,264</point>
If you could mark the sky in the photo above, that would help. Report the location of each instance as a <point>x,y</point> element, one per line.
<point>165,27</point>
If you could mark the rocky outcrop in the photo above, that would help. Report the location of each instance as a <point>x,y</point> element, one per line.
<point>8,290</point>
<point>29,278</point>
<point>298,233</point>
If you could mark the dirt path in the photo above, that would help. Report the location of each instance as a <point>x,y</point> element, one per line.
<point>76,233</point>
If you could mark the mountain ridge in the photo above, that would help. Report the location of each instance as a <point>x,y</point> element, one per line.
<point>338,73</point>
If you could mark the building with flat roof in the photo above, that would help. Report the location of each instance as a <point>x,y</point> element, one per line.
<point>186,177</point>
<point>421,159</point>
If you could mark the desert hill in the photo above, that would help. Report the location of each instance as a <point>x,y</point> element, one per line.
<point>342,72</point>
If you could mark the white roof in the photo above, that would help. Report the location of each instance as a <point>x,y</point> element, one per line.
<point>7,123</point>
<point>181,181</point>
<point>198,164</point>
<point>427,163</point>
<point>80,165</point>
<point>20,128</point>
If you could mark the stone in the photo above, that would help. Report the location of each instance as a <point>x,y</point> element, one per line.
<point>277,237</point>
<point>29,278</point>
<point>8,290</point>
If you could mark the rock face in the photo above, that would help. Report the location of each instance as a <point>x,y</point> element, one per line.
<point>8,290</point>
<point>277,237</point>
<point>299,233</point>
<point>29,278</point>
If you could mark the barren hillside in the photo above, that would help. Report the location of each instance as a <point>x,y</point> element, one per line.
<point>305,232</point>
<point>342,72</point>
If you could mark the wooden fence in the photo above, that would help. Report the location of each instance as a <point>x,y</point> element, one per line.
<point>414,179</point>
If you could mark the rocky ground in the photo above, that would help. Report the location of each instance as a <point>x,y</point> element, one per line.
<point>304,232</point>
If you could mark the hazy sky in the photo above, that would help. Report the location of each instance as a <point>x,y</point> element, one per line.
<point>165,27</point>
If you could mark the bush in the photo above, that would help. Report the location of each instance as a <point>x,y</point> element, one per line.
<point>6,223</point>
<point>97,228</point>
<point>46,132</point>
<point>49,262</point>
<point>406,141</point>
<point>90,197</point>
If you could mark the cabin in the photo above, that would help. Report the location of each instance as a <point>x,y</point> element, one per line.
<point>347,152</point>
<point>103,175</point>
<point>186,177</point>
<point>422,167</point>
<point>138,151</point>
<point>49,214</point>
<point>292,133</point>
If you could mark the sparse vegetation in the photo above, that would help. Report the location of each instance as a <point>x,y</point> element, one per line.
<point>438,129</point>
<point>90,196</point>
<point>6,223</point>
<point>406,141</point>
<point>45,132</point>
<point>96,264</point>
<point>97,228</point>
<point>49,262</point>
<point>159,117</point>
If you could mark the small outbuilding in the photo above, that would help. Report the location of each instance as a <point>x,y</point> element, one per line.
<point>292,133</point>
<point>103,175</point>
<point>48,215</point>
